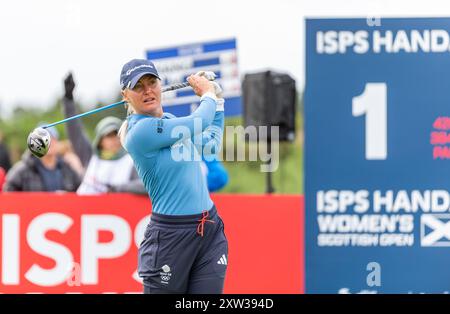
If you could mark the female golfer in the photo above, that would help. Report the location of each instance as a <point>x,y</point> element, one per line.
<point>184,248</point>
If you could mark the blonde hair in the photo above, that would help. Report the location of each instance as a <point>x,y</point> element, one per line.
<point>124,127</point>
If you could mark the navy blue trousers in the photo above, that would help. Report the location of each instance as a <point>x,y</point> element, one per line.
<point>184,254</point>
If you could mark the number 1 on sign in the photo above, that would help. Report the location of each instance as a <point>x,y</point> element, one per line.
<point>373,103</point>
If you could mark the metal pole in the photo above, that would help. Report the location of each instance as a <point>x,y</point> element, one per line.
<point>269,187</point>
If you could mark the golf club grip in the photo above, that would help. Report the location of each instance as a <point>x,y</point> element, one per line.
<point>177,86</point>
<point>174,87</point>
<point>182,85</point>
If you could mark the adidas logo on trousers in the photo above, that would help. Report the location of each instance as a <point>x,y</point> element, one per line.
<point>223,260</point>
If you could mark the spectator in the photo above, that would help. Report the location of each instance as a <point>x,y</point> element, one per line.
<point>108,166</point>
<point>5,161</point>
<point>50,173</point>
<point>216,174</point>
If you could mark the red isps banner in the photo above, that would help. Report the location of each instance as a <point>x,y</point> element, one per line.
<point>66,247</point>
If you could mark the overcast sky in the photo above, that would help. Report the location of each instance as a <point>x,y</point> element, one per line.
<point>41,40</point>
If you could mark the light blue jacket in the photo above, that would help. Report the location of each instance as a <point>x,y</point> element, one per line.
<point>166,156</point>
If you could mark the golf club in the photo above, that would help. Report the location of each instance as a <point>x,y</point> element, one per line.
<point>39,139</point>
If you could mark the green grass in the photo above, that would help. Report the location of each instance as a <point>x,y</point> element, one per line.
<point>246,176</point>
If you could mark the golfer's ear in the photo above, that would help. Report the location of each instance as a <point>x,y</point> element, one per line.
<point>124,94</point>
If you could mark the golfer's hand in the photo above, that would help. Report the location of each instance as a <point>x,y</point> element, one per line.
<point>211,77</point>
<point>200,85</point>
<point>69,86</point>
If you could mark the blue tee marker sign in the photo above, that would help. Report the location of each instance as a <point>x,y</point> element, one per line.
<point>377,155</point>
<point>176,63</point>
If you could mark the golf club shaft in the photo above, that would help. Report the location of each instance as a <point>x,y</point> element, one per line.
<point>84,114</point>
<point>164,89</point>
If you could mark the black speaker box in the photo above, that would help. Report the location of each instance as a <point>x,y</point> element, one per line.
<point>270,100</point>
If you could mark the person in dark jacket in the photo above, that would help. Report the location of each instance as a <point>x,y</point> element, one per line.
<point>5,161</point>
<point>47,174</point>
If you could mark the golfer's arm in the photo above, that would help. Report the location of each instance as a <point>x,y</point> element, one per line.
<point>154,134</point>
<point>76,134</point>
<point>211,138</point>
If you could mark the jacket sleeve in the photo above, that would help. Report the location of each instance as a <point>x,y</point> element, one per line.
<point>76,133</point>
<point>14,179</point>
<point>210,140</point>
<point>150,135</point>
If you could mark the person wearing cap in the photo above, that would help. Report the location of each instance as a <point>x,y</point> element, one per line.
<point>109,168</point>
<point>47,174</point>
<point>184,249</point>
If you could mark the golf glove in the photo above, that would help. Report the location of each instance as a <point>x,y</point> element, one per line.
<point>217,88</point>
<point>210,75</point>
<point>69,86</point>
